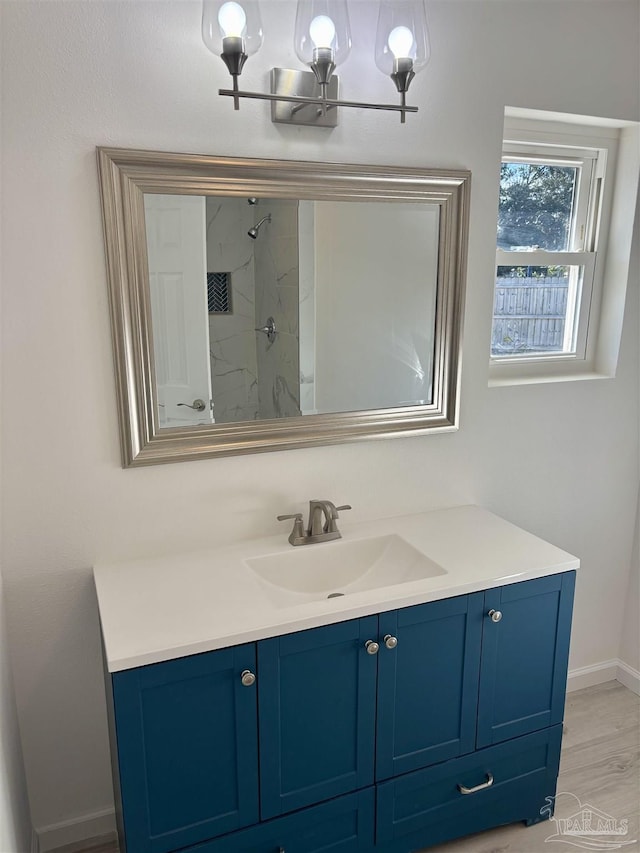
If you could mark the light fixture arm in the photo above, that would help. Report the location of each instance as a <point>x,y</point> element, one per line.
<point>322,102</point>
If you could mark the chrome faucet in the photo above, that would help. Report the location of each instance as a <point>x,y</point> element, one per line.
<point>322,525</point>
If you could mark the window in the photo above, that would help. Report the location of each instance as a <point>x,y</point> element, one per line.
<point>556,203</point>
<point>547,225</point>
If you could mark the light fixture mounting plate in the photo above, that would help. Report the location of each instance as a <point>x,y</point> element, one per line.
<point>291,82</point>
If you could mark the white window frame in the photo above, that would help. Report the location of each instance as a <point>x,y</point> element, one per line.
<point>593,146</point>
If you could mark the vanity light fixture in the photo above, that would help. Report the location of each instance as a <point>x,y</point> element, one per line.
<point>233,30</point>
<point>402,42</point>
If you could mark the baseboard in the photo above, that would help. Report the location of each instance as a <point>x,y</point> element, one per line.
<point>599,673</point>
<point>587,676</point>
<point>629,676</point>
<point>96,825</point>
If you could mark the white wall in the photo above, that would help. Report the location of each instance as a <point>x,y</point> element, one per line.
<point>630,643</point>
<point>630,640</point>
<point>15,821</point>
<point>559,459</point>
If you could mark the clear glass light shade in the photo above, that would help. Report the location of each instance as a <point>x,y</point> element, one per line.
<point>402,34</point>
<point>228,19</point>
<point>322,24</point>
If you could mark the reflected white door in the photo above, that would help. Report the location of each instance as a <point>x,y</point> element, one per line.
<point>177,252</point>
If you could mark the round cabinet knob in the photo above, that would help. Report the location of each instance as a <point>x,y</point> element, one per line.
<point>496,615</point>
<point>247,678</point>
<point>390,642</point>
<point>372,647</point>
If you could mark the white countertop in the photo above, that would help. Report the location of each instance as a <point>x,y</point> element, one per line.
<point>167,607</point>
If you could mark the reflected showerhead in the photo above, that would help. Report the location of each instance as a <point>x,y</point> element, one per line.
<point>252,200</point>
<point>253,232</point>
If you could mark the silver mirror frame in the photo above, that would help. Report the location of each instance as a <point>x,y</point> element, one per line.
<point>125,175</point>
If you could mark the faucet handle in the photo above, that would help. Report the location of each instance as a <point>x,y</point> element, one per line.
<point>297,535</point>
<point>331,526</point>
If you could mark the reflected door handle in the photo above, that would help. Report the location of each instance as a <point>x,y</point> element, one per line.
<point>198,405</point>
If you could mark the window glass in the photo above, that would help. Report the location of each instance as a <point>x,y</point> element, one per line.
<point>536,206</point>
<point>535,310</point>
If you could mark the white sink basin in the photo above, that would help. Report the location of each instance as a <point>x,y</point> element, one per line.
<point>316,572</point>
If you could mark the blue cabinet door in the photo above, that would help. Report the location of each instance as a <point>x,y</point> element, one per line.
<point>428,684</point>
<point>187,749</point>
<point>524,657</point>
<point>317,698</point>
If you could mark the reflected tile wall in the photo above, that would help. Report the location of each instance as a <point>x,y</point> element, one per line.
<point>234,369</point>
<point>276,270</point>
<point>307,309</point>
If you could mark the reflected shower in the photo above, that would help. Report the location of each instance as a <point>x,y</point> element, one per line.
<point>253,232</point>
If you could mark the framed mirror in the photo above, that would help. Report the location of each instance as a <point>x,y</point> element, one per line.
<point>267,305</point>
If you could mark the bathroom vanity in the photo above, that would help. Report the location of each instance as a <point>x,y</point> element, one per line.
<point>250,713</point>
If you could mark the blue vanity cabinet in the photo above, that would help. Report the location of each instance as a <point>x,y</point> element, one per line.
<point>450,725</point>
<point>187,750</point>
<point>428,669</point>
<point>317,698</point>
<point>524,657</point>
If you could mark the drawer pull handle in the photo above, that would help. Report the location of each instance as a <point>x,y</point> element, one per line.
<point>372,647</point>
<point>390,642</point>
<point>247,678</point>
<point>496,615</point>
<point>480,787</point>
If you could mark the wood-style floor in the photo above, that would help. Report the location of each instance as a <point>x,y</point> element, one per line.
<point>600,766</point>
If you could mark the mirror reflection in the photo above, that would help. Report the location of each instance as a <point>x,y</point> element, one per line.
<point>277,308</point>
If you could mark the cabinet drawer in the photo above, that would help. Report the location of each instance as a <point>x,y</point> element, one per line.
<point>429,802</point>
<point>344,825</point>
